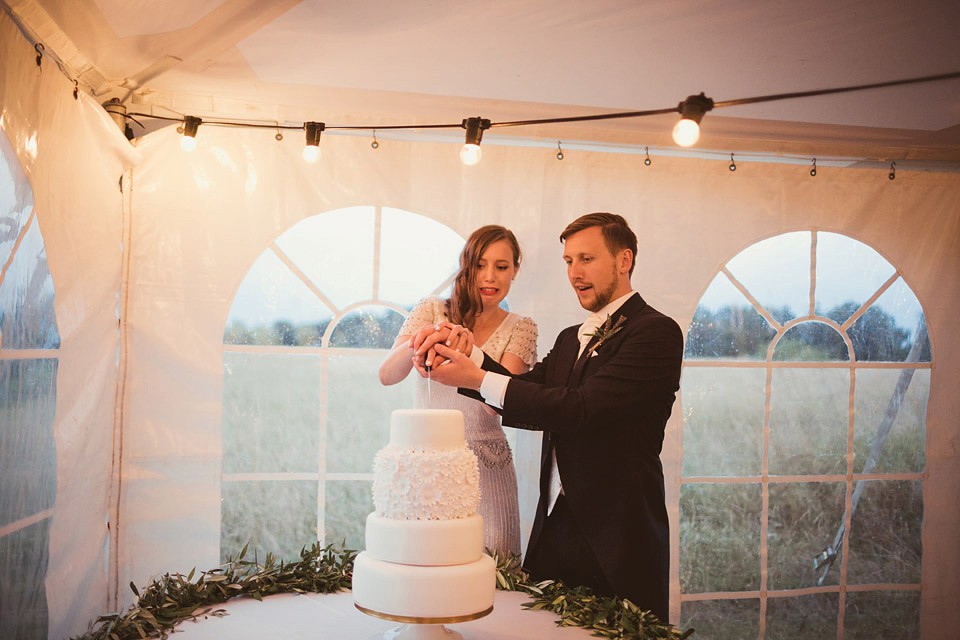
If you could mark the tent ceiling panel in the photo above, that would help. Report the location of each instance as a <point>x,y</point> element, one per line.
<point>426,62</point>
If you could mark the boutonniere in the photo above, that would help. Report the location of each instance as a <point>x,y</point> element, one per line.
<point>604,331</point>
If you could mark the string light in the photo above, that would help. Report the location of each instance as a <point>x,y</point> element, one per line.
<point>374,144</point>
<point>813,169</point>
<point>646,160</point>
<point>188,139</point>
<point>687,130</point>
<point>733,165</point>
<point>311,151</point>
<point>893,170</point>
<point>471,153</point>
<point>559,151</point>
<point>692,110</point>
<point>279,135</point>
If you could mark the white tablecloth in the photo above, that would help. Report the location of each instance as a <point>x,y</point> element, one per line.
<point>333,617</point>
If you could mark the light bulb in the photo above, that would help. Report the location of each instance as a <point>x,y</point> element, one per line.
<point>470,154</point>
<point>311,153</point>
<point>188,143</point>
<point>686,133</point>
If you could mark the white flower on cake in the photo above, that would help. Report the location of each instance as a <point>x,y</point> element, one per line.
<point>428,494</point>
<point>391,466</point>
<point>426,472</point>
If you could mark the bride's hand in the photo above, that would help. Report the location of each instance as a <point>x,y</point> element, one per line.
<point>460,339</point>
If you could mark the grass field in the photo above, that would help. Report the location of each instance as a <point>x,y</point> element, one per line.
<point>274,406</point>
<point>720,524</point>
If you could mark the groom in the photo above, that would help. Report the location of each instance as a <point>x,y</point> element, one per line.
<point>601,397</point>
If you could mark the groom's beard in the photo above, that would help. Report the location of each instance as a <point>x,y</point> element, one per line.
<point>603,297</point>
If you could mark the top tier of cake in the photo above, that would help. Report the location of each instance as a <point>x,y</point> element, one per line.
<point>434,428</point>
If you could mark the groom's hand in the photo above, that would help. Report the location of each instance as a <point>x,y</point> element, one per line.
<point>457,370</point>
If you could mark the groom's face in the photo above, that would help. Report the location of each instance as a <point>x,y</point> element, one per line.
<point>591,268</point>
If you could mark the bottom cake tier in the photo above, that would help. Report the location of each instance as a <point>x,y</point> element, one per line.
<point>412,593</point>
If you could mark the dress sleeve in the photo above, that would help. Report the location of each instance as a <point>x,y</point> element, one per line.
<point>427,311</point>
<point>523,341</point>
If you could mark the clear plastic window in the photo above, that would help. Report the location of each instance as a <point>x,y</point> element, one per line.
<point>816,422</point>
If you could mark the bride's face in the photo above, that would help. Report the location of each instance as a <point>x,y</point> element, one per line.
<point>495,272</point>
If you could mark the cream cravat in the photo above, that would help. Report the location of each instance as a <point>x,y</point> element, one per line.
<point>589,326</point>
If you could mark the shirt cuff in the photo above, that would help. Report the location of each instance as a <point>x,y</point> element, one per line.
<point>476,356</point>
<point>493,387</point>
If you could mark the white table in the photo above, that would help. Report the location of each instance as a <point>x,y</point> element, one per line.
<point>333,617</point>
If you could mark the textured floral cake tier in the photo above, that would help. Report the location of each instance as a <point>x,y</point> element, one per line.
<point>424,483</point>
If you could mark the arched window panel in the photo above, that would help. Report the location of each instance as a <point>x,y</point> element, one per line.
<point>348,503</point>
<point>723,421</point>
<point>719,530</point>
<point>369,327</point>
<point>811,341</point>
<point>893,329</point>
<point>848,273</point>
<point>885,532</point>
<point>403,262</point>
<point>727,326</point>
<point>27,314</point>
<point>726,619</point>
<point>803,520</point>
<point>890,414</point>
<point>272,516</point>
<point>273,306</point>
<point>897,613</point>
<point>336,251</point>
<point>809,421</point>
<point>776,272</point>
<point>813,414</point>
<point>271,413</point>
<point>16,198</point>
<point>807,617</point>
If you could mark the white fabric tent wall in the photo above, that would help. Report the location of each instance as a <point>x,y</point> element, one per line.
<point>197,222</point>
<point>201,219</point>
<point>73,156</point>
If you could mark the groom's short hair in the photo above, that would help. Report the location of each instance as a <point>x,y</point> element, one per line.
<point>616,232</point>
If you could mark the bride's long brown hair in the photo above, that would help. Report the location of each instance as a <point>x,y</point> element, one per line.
<point>465,304</point>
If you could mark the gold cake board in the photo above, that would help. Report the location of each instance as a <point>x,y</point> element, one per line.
<point>423,628</point>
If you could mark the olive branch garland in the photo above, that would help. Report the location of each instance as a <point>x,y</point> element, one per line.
<point>173,598</point>
<point>607,617</point>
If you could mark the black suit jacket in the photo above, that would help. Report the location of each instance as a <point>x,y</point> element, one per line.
<point>605,415</point>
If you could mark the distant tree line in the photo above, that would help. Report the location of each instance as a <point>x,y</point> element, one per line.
<point>741,332</point>
<point>362,329</point>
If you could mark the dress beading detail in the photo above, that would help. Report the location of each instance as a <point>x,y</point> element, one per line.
<point>484,435</point>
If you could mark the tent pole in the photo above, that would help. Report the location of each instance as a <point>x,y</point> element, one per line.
<point>116,472</point>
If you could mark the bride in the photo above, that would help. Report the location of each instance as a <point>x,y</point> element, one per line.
<point>488,264</point>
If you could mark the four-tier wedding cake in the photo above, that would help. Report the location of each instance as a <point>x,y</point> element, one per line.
<point>424,561</point>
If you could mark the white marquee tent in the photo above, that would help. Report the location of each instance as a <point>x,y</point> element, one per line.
<point>125,263</point>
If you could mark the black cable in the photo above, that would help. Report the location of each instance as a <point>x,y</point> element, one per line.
<point>590,117</point>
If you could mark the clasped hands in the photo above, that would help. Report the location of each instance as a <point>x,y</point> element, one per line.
<point>440,351</point>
